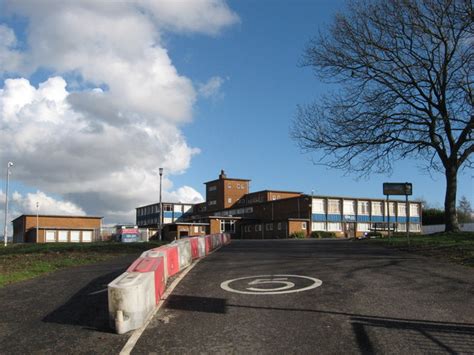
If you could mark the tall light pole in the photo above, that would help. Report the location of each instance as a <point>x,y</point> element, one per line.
<point>37,219</point>
<point>160,223</point>
<point>5,228</point>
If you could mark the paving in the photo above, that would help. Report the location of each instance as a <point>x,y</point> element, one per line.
<point>371,300</point>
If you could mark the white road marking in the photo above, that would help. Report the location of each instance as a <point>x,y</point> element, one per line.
<point>137,333</point>
<point>96,292</point>
<point>268,279</point>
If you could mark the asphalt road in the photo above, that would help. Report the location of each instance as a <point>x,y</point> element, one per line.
<point>64,312</point>
<point>372,300</point>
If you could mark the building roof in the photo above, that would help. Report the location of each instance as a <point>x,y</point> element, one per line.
<point>277,191</point>
<point>167,203</point>
<point>360,198</point>
<point>226,178</point>
<point>57,216</point>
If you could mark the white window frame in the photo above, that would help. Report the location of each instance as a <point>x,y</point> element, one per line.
<point>363,208</point>
<point>61,235</point>
<point>304,225</point>
<point>84,233</point>
<point>47,239</point>
<point>73,234</point>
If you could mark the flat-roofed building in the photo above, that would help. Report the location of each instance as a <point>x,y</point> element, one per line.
<point>56,229</point>
<point>231,208</point>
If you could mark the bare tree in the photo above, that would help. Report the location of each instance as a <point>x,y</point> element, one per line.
<point>406,73</point>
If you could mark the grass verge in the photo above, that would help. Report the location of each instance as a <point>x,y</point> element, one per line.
<point>454,247</point>
<point>24,261</point>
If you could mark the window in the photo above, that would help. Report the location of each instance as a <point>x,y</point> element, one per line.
<point>50,236</point>
<point>228,226</point>
<point>363,227</point>
<point>274,197</point>
<point>249,210</point>
<point>414,210</point>
<point>319,226</point>
<point>167,207</point>
<point>318,206</point>
<point>229,200</point>
<point>242,200</point>
<point>363,208</point>
<point>334,206</point>
<point>212,188</point>
<point>87,236</point>
<point>75,236</point>
<point>401,227</point>
<point>349,207</point>
<point>401,209</point>
<point>334,227</point>
<point>238,186</point>
<point>414,227</point>
<point>212,202</point>
<point>62,236</point>
<point>269,227</point>
<point>258,228</point>
<point>279,226</point>
<point>229,186</point>
<point>377,208</point>
<point>303,225</point>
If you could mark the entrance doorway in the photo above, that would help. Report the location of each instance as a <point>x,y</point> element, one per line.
<point>349,229</point>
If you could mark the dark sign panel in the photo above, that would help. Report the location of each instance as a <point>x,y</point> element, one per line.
<point>397,188</point>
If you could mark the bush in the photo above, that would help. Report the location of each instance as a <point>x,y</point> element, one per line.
<point>297,235</point>
<point>323,234</point>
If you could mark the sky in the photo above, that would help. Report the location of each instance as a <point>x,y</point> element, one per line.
<point>95,96</point>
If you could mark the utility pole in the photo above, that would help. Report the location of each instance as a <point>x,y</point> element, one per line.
<point>37,220</point>
<point>160,223</point>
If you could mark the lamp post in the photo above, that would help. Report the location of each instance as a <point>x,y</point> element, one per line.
<point>160,223</point>
<point>5,228</point>
<point>37,219</point>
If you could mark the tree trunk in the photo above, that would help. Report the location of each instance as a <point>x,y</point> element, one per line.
<point>451,218</point>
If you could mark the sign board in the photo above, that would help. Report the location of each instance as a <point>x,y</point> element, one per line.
<point>397,188</point>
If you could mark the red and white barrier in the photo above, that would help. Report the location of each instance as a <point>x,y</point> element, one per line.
<point>134,295</point>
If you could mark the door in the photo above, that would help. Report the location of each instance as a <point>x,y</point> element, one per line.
<point>349,229</point>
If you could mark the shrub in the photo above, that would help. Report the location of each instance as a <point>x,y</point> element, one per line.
<point>297,235</point>
<point>322,234</point>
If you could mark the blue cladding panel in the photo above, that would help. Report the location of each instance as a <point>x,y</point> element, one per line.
<point>377,219</point>
<point>334,217</point>
<point>178,214</point>
<point>319,217</point>
<point>349,218</point>
<point>168,214</point>
<point>362,218</point>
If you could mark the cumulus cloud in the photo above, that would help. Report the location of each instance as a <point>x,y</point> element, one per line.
<point>95,132</point>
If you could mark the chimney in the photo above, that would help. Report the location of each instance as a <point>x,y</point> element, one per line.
<point>222,175</point>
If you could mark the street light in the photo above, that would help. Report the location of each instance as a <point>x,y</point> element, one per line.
<point>37,219</point>
<point>160,223</point>
<point>5,228</point>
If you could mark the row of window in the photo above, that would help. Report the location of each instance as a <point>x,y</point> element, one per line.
<point>350,207</point>
<point>143,211</point>
<point>361,227</point>
<point>269,227</point>
<point>66,236</point>
<point>235,212</point>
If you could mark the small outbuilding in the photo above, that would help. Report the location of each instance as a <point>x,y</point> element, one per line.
<point>56,229</point>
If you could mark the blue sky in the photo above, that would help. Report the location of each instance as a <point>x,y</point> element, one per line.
<point>124,90</point>
<point>247,131</point>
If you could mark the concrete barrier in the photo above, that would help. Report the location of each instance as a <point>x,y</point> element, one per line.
<point>184,253</point>
<point>133,296</point>
<point>194,247</point>
<point>131,300</point>
<point>201,246</point>
<point>155,266</point>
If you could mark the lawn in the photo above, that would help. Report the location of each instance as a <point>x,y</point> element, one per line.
<point>454,247</point>
<point>24,261</point>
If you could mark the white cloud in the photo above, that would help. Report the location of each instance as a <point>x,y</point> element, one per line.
<point>212,87</point>
<point>95,133</point>
<point>10,58</point>
<point>19,204</point>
